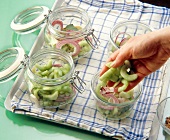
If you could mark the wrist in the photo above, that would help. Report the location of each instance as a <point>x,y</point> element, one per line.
<point>162,38</point>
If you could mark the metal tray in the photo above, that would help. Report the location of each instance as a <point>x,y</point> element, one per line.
<point>155,131</point>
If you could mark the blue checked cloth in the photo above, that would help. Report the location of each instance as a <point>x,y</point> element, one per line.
<point>82,112</point>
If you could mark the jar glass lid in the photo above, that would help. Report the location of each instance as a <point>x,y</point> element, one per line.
<point>30,19</point>
<point>10,63</point>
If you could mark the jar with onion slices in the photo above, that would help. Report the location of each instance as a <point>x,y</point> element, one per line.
<point>51,78</point>
<point>69,28</point>
<point>123,31</point>
<point>113,104</point>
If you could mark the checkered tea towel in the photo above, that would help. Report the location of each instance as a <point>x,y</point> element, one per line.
<point>82,112</point>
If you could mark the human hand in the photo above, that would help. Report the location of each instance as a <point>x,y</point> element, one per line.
<point>147,53</point>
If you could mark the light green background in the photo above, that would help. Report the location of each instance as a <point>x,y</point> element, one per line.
<point>20,127</point>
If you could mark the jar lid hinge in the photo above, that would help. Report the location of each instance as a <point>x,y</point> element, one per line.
<point>81,84</point>
<point>96,43</point>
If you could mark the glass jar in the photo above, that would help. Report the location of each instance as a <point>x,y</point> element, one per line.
<point>57,89</point>
<point>49,73</point>
<point>69,28</point>
<point>123,31</point>
<point>10,64</point>
<point>163,114</point>
<point>27,25</point>
<point>121,105</point>
<point>51,79</point>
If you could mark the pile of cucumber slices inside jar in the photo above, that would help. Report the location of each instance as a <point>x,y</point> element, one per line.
<point>52,95</point>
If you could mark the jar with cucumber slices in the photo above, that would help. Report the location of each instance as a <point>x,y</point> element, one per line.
<point>113,100</point>
<point>69,29</point>
<point>51,78</point>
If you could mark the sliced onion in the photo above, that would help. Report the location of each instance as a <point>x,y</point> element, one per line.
<point>78,40</point>
<point>121,100</point>
<point>57,65</point>
<point>62,99</point>
<point>124,41</point>
<point>109,89</point>
<point>77,47</point>
<point>58,24</point>
<point>105,106</point>
<point>128,36</point>
<point>102,91</point>
<point>71,33</point>
<point>112,98</point>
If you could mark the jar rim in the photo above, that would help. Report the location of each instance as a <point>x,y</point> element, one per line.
<point>163,102</point>
<point>30,19</point>
<point>79,10</point>
<point>48,82</point>
<point>126,23</point>
<point>10,59</point>
<point>113,104</point>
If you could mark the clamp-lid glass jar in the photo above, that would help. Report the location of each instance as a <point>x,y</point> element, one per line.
<point>69,28</point>
<point>51,79</point>
<point>114,106</point>
<point>49,73</point>
<point>123,31</point>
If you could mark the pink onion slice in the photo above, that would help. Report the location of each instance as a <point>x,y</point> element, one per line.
<point>77,47</point>
<point>105,90</point>
<point>128,36</point>
<point>64,98</point>
<point>57,65</point>
<point>108,89</point>
<point>108,92</point>
<point>105,106</point>
<point>58,24</point>
<point>112,98</point>
<point>124,41</point>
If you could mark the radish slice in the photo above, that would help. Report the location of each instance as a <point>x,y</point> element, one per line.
<point>123,41</point>
<point>76,46</point>
<point>58,24</point>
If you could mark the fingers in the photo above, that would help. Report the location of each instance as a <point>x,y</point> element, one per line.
<point>111,58</point>
<point>104,69</point>
<point>118,57</point>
